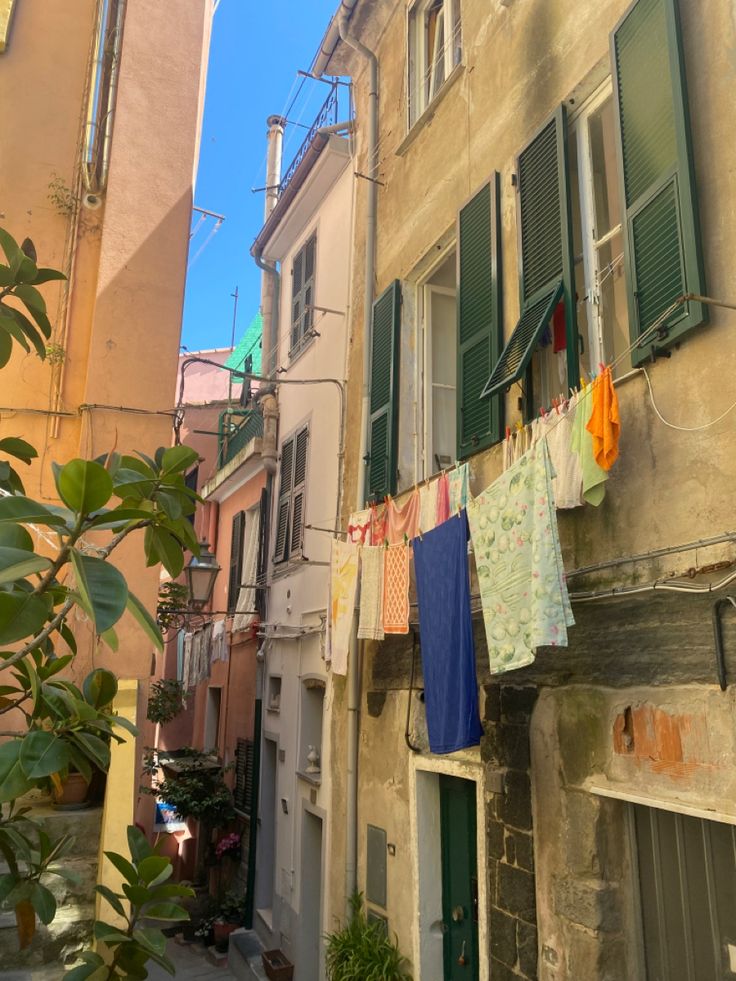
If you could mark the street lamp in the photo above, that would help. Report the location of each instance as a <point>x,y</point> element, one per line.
<point>201,574</point>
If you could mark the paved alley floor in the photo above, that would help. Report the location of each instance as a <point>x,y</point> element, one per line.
<point>191,963</point>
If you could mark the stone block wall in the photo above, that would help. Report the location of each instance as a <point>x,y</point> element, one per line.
<point>511,880</point>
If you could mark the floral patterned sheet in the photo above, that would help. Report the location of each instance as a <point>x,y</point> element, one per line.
<point>513,526</point>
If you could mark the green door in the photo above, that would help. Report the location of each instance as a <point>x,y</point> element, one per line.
<point>459,878</point>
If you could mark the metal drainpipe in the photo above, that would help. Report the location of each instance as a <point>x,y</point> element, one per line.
<point>270,280</point>
<point>356,647</point>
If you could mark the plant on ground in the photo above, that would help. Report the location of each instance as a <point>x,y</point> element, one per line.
<point>197,789</point>
<point>58,725</point>
<point>165,701</point>
<point>125,949</point>
<point>363,950</point>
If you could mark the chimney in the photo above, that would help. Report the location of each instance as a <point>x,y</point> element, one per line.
<point>273,166</point>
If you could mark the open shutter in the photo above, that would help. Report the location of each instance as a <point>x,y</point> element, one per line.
<point>297,497</point>
<point>243,790</point>
<point>383,424</point>
<point>545,249</point>
<point>284,505</point>
<point>236,560</point>
<point>662,238</point>
<point>479,331</point>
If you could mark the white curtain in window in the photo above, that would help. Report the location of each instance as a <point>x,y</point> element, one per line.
<point>247,595</point>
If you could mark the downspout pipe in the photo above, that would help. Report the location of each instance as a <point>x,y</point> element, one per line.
<point>356,647</point>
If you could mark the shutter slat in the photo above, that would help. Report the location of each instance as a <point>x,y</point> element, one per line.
<point>243,790</point>
<point>236,559</point>
<point>282,529</point>
<point>541,215</point>
<point>384,373</point>
<point>297,519</point>
<point>662,247</point>
<point>479,319</point>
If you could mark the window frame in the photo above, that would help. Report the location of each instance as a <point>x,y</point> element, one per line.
<point>421,91</point>
<point>424,289</point>
<point>286,498</point>
<point>299,336</point>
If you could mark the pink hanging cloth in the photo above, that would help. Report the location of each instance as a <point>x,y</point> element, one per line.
<point>403,523</point>
<point>443,499</point>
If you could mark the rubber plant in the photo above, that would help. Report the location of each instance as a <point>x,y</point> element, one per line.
<point>58,724</point>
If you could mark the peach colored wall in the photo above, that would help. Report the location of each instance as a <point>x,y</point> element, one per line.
<point>127,260</point>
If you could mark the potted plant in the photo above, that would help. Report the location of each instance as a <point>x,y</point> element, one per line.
<point>230,915</point>
<point>364,950</point>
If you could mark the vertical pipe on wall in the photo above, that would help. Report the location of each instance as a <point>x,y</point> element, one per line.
<point>355,659</point>
<point>270,277</point>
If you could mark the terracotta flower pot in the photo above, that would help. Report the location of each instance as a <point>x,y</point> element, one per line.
<point>222,933</point>
<point>73,793</point>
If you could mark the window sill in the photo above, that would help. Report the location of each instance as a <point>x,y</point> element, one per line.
<point>428,115</point>
<point>296,352</point>
<point>287,566</point>
<point>314,778</point>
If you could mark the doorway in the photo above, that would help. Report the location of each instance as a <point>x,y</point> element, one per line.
<point>458,834</point>
<point>266,860</point>
<point>687,883</point>
<point>310,919</point>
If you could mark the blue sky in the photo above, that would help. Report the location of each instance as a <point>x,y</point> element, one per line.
<point>256,51</point>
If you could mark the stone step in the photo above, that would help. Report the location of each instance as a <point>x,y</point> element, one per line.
<point>244,956</point>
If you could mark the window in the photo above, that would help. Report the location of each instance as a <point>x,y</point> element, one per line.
<point>237,538</point>
<point>438,306</point>
<point>435,48</point>
<point>290,512</point>
<point>600,284</point>
<point>302,296</point>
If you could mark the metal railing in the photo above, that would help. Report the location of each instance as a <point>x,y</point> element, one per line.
<point>234,437</point>
<point>327,116</point>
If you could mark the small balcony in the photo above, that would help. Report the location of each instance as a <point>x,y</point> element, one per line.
<point>237,428</point>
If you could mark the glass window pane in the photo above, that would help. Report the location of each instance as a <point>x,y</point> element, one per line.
<point>605,178</point>
<point>444,404</point>
<point>613,301</point>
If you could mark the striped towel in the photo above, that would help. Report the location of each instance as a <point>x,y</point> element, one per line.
<point>370,626</point>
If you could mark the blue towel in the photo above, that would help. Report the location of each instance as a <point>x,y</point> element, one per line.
<point>446,634</point>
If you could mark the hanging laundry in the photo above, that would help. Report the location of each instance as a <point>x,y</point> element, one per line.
<point>219,641</point>
<point>396,589</point>
<point>446,632</point>
<point>428,506</point>
<point>513,526</point>
<point>403,522</point>
<point>359,527</point>
<point>443,499</point>
<point>581,443</point>
<point>246,603</point>
<point>457,480</point>
<point>378,525</point>
<point>370,626</point>
<point>187,662</point>
<point>604,424</point>
<point>556,428</point>
<point>343,585</point>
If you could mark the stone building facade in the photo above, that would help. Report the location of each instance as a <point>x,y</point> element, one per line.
<point>608,764</point>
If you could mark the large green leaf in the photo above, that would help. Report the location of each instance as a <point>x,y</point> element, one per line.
<point>15,536</point>
<point>6,347</point>
<point>166,911</point>
<point>17,563</point>
<point>100,687</point>
<point>151,867</point>
<point>84,485</point>
<point>43,902</point>
<point>42,753</point>
<point>124,867</point>
<point>22,510</point>
<point>94,748</point>
<point>151,938</point>
<point>161,546</point>
<point>112,899</point>
<point>103,587</point>
<point>176,459</point>
<point>22,615</point>
<point>138,844</point>
<point>18,448</point>
<point>31,297</point>
<point>145,620</point>
<point>117,518</point>
<point>10,247</point>
<point>45,275</point>
<point>13,781</point>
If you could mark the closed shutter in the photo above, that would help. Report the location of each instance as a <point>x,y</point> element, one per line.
<point>545,249</point>
<point>384,374</point>
<point>262,563</point>
<point>284,504</point>
<point>479,333</point>
<point>236,560</point>
<point>243,790</point>
<point>297,497</point>
<point>661,231</point>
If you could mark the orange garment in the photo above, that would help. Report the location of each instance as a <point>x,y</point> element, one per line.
<point>604,424</point>
<point>378,526</point>
<point>396,589</point>
<point>403,523</point>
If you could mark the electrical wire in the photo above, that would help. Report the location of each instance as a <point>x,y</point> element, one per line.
<point>683,429</point>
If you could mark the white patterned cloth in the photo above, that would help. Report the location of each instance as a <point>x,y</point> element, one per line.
<point>523,592</point>
<point>370,626</point>
<point>428,506</point>
<point>567,482</point>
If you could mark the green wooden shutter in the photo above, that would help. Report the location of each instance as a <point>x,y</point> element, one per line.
<point>479,331</point>
<point>384,419</point>
<point>283,510</point>
<point>546,270</point>
<point>297,497</point>
<point>236,560</point>
<point>661,231</point>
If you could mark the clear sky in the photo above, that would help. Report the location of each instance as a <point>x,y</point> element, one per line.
<point>256,51</point>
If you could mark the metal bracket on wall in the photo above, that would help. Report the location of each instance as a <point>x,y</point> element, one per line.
<point>718,638</point>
